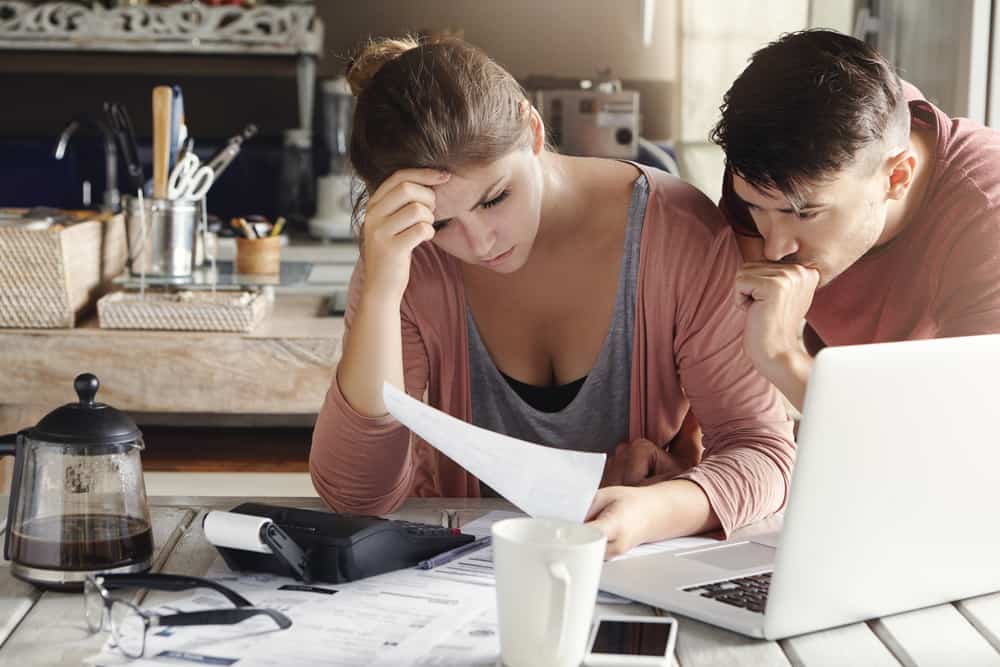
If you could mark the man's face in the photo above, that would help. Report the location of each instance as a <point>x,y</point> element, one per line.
<point>489,214</point>
<point>842,219</point>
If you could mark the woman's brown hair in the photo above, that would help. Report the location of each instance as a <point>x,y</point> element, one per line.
<point>430,104</point>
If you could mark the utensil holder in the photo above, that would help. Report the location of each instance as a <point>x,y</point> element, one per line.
<point>162,236</point>
<point>258,255</point>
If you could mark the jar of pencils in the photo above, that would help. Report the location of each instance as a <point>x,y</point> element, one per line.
<point>258,252</point>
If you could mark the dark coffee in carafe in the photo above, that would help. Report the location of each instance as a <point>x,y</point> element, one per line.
<point>82,542</point>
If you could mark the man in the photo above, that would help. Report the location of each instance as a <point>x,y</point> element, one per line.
<point>859,206</point>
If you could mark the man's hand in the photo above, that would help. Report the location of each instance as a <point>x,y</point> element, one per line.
<point>642,461</point>
<point>777,298</point>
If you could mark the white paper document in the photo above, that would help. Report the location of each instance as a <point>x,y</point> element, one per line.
<point>483,526</point>
<point>474,644</point>
<point>390,619</point>
<point>477,567</point>
<point>542,481</point>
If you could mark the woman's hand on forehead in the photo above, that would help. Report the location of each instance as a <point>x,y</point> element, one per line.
<point>425,177</point>
<point>399,217</point>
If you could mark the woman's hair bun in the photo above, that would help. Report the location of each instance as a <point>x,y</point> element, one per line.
<point>370,58</point>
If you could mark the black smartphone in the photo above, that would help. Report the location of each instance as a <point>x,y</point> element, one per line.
<point>631,641</point>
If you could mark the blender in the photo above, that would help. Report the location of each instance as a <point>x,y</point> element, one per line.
<point>334,189</point>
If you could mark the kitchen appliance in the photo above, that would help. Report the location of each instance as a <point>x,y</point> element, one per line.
<point>333,198</point>
<point>77,499</point>
<point>586,118</point>
<point>297,181</point>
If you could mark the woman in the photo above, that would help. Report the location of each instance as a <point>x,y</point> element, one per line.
<point>574,302</point>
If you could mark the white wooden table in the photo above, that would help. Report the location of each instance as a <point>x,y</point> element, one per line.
<point>47,628</point>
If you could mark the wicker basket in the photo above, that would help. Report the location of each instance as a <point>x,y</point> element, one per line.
<point>49,276</point>
<point>184,311</point>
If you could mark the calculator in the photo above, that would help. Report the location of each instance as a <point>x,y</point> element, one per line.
<point>344,547</point>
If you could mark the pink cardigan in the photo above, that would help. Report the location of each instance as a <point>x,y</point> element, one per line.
<point>687,352</point>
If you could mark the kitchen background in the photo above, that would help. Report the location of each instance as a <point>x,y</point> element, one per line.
<point>678,55</point>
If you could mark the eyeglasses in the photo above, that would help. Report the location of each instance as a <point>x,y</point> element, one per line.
<point>129,624</point>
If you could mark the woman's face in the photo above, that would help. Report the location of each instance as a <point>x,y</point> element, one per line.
<point>488,215</point>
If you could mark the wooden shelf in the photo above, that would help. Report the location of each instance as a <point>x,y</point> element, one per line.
<point>55,42</point>
<point>187,28</point>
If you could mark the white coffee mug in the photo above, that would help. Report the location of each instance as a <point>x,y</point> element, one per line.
<point>547,572</point>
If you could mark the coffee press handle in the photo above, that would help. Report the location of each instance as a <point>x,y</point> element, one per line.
<point>559,605</point>
<point>8,444</point>
<point>8,447</point>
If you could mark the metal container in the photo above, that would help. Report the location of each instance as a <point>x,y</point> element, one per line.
<point>162,236</point>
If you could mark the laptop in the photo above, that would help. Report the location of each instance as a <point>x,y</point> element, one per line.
<point>892,506</point>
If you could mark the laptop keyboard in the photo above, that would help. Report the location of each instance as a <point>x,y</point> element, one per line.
<point>748,593</point>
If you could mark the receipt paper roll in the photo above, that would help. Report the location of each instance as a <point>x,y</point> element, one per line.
<point>236,531</point>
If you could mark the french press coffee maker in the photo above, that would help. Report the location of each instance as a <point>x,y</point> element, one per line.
<point>77,497</point>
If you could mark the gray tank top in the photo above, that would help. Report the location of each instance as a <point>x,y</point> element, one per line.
<point>597,419</point>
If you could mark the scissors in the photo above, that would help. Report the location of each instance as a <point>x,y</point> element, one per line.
<point>190,179</point>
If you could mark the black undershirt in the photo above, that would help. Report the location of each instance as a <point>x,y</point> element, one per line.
<point>545,399</point>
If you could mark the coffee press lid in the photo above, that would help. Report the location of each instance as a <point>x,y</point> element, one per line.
<point>86,422</point>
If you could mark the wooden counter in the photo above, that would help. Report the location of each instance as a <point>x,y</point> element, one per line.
<point>284,367</point>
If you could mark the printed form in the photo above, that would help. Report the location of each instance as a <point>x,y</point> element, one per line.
<point>519,471</point>
<point>391,619</point>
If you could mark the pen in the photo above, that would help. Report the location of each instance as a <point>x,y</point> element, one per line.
<point>452,554</point>
<point>278,226</point>
<point>248,231</point>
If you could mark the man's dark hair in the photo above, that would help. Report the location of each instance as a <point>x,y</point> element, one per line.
<point>804,109</point>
